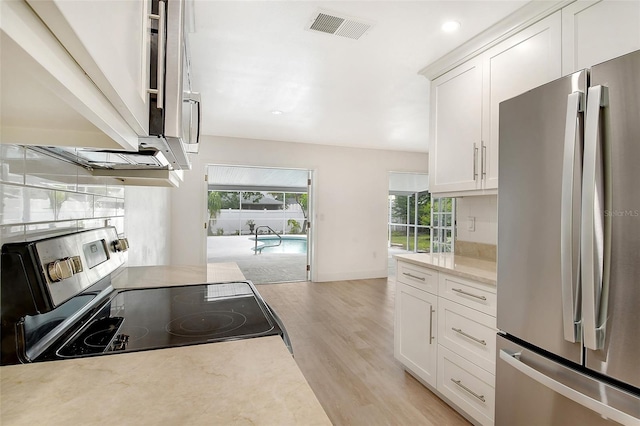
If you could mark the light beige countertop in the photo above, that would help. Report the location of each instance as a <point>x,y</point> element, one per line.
<point>466,267</point>
<point>166,276</point>
<point>253,381</point>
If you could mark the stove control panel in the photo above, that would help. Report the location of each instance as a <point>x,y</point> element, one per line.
<point>71,263</point>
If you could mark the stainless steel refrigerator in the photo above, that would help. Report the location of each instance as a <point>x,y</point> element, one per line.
<point>568,350</point>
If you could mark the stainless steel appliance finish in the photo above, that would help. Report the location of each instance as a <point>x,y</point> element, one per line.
<point>541,391</point>
<point>96,253</point>
<point>612,328</point>
<point>38,277</point>
<point>568,247</point>
<point>530,203</point>
<point>172,118</point>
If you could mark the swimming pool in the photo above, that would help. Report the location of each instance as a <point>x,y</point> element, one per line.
<point>290,244</point>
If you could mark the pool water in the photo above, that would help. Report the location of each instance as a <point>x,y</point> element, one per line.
<point>289,244</point>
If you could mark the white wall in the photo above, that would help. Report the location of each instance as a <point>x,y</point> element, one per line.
<point>485,211</point>
<point>148,225</point>
<point>350,198</point>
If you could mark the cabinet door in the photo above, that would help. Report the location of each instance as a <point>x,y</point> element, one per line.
<point>596,31</point>
<point>109,40</point>
<point>415,343</point>
<point>456,129</point>
<point>46,96</point>
<point>527,60</point>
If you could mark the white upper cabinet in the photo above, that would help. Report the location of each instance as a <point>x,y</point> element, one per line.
<point>47,98</point>
<point>596,31</point>
<point>464,106</point>
<point>109,41</point>
<point>456,129</point>
<point>527,60</point>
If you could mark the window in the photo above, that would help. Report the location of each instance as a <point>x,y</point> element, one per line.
<point>419,223</point>
<point>443,213</point>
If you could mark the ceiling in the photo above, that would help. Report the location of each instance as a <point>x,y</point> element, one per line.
<point>250,58</point>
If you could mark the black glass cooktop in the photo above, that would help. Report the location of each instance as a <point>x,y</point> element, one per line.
<point>141,319</point>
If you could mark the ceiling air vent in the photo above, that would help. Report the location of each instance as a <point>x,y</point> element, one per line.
<point>337,25</point>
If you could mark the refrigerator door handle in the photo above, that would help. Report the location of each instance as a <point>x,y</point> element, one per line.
<point>594,284</point>
<point>513,359</point>
<point>568,244</point>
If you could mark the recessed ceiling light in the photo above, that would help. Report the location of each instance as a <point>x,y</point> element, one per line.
<point>276,112</point>
<point>450,26</point>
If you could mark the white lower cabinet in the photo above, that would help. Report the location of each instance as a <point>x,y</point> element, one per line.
<point>445,335</point>
<point>468,386</point>
<point>415,343</point>
<point>468,333</point>
<point>472,294</point>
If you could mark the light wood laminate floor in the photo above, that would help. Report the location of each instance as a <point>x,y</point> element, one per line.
<point>342,336</point>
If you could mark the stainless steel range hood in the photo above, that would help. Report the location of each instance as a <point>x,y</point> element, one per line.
<point>147,167</point>
<point>144,159</point>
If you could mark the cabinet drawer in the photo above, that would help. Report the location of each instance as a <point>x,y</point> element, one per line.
<point>468,333</point>
<point>475,295</point>
<point>468,386</point>
<point>417,276</point>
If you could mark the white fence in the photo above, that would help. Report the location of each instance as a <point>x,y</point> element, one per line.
<point>234,221</point>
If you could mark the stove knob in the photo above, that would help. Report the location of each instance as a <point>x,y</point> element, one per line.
<point>60,269</point>
<point>121,244</point>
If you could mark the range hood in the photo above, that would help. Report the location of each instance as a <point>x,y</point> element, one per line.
<point>147,167</point>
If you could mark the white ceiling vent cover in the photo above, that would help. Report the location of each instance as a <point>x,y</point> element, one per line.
<point>331,23</point>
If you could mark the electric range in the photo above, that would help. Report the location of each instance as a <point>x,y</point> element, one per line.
<point>58,303</point>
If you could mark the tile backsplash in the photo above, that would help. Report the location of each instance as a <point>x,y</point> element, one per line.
<point>42,195</point>
<point>483,211</point>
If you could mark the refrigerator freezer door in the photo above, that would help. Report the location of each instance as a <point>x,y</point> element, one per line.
<point>617,298</point>
<point>534,390</point>
<point>530,206</point>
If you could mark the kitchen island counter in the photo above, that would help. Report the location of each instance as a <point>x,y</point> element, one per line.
<point>253,381</point>
<point>465,267</point>
<point>167,276</point>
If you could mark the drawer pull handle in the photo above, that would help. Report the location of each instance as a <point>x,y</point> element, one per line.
<point>413,276</point>
<point>461,291</point>
<point>468,336</point>
<point>459,383</point>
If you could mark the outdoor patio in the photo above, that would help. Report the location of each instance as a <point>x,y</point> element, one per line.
<point>259,268</point>
<point>267,267</point>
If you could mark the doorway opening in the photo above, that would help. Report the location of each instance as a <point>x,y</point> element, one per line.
<point>259,219</point>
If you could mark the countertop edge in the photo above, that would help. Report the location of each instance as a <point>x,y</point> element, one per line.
<point>481,274</point>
